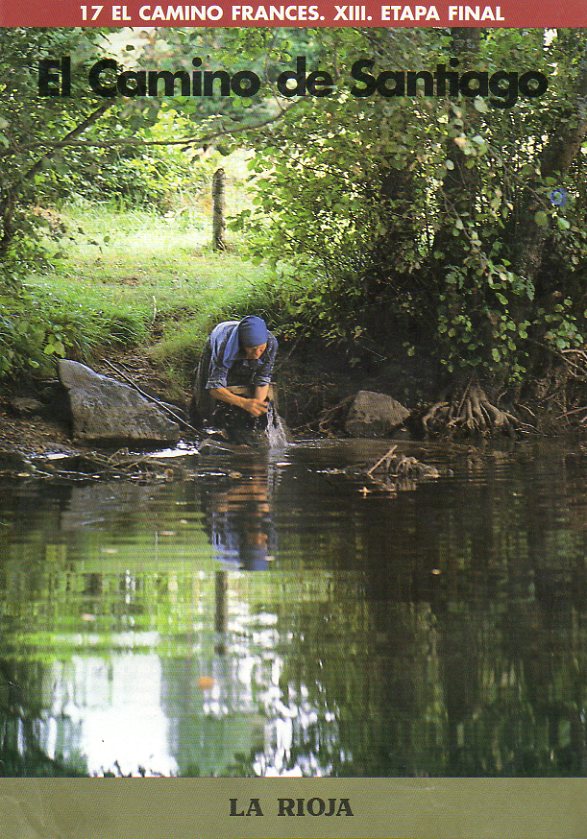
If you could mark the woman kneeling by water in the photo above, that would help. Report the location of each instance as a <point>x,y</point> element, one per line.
<point>233,379</point>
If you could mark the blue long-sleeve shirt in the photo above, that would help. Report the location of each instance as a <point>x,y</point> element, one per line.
<point>260,368</point>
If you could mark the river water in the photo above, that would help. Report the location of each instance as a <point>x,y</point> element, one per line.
<point>266,615</point>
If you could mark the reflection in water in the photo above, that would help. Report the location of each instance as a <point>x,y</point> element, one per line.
<point>438,633</point>
<point>239,519</point>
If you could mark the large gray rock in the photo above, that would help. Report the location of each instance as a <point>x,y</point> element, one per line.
<point>374,415</point>
<point>107,412</point>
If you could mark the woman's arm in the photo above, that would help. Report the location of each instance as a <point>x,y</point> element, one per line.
<point>255,406</point>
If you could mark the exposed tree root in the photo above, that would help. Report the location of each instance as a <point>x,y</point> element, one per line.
<point>575,413</point>
<point>473,414</point>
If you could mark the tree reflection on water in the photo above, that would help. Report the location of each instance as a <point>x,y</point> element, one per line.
<point>438,633</point>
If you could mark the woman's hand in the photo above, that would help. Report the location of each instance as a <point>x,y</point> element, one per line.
<point>254,407</point>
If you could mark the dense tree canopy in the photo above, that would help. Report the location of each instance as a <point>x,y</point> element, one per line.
<point>437,210</point>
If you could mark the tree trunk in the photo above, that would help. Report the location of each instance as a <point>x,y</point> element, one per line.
<point>459,193</point>
<point>460,184</point>
<point>527,237</point>
<point>218,205</point>
<point>7,225</point>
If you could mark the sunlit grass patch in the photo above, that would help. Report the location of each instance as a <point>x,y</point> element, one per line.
<point>133,278</point>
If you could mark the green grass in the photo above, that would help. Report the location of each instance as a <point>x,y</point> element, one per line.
<point>132,278</point>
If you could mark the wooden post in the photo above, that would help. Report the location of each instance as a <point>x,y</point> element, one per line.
<point>218,220</point>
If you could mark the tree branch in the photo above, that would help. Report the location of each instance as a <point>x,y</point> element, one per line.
<point>205,139</point>
<point>75,132</point>
<point>567,138</point>
<point>8,206</point>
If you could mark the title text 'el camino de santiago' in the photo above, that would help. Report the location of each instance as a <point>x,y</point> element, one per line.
<point>106,78</point>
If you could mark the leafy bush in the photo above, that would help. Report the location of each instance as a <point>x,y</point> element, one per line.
<point>36,327</point>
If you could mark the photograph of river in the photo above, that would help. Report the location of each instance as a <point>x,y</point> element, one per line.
<point>376,232</point>
<point>265,615</point>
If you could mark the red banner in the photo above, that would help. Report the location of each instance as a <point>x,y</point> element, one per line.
<point>146,13</point>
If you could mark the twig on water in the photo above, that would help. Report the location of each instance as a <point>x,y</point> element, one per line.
<point>387,456</point>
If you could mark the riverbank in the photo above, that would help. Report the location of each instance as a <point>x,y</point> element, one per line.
<point>31,435</point>
<point>110,286</point>
<point>314,397</point>
<point>114,292</point>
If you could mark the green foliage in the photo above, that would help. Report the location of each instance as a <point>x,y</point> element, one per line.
<point>476,322</point>
<point>36,327</point>
<point>425,216</point>
<point>116,150</point>
<point>28,122</point>
<point>159,177</point>
<point>148,282</point>
<point>416,214</point>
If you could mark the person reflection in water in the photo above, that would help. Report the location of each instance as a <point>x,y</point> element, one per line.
<point>239,522</point>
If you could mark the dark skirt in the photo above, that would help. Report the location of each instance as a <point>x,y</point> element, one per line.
<point>202,404</point>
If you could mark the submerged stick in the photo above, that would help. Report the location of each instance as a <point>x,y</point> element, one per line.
<point>152,398</point>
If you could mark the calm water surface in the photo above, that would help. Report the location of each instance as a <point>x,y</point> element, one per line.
<point>266,616</point>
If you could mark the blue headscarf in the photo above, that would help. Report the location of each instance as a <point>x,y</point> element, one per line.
<point>251,331</point>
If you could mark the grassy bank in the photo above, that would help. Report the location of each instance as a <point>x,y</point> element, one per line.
<point>122,279</point>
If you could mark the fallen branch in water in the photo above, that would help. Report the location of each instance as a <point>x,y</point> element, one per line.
<point>96,466</point>
<point>387,456</point>
<point>396,472</point>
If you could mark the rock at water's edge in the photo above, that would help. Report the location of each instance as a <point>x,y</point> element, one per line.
<point>24,405</point>
<point>374,415</point>
<point>107,412</point>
